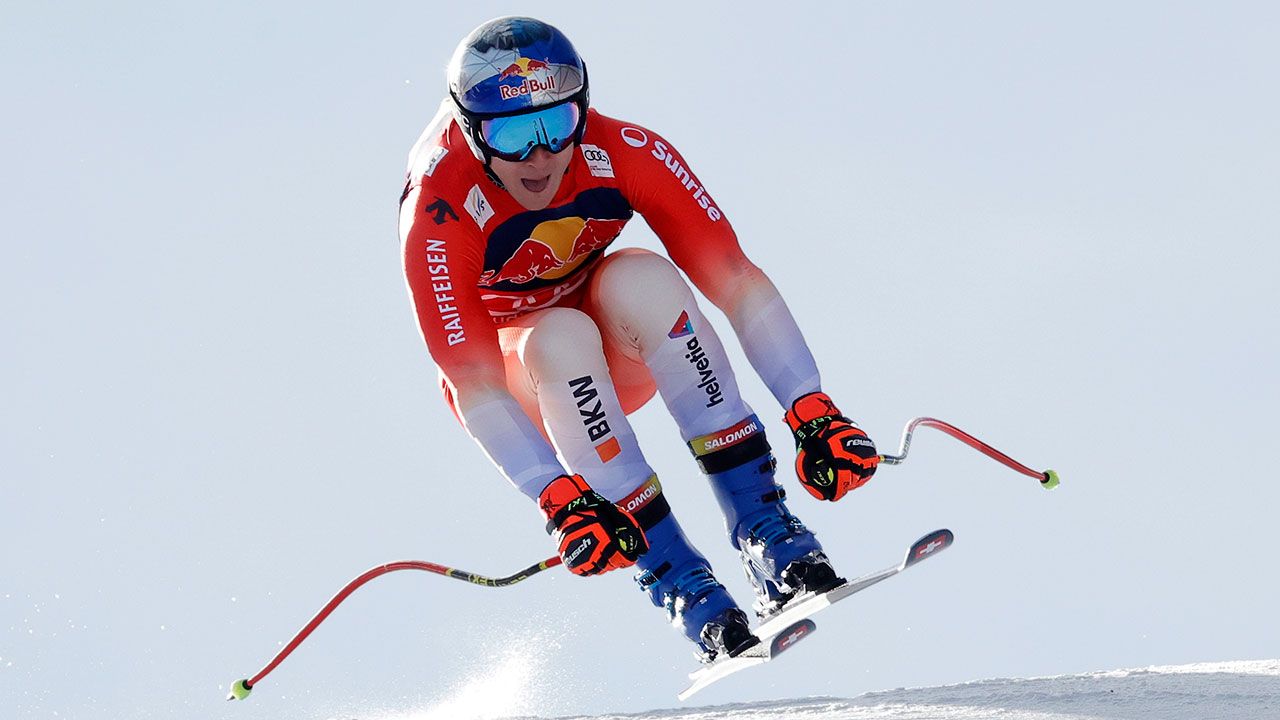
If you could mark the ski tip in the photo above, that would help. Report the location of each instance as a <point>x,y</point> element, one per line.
<point>240,690</point>
<point>790,636</point>
<point>1051,480</point>
<point>929,545</point>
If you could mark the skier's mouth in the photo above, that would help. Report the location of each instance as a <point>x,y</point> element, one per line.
<point>536,186</point>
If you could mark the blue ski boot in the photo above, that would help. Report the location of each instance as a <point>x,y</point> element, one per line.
<point>781,556</point>
<point>678,579</point>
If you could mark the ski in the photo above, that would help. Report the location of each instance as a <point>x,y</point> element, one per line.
<point>784,629</point>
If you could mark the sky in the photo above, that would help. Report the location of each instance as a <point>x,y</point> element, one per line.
<point>1054,227</point>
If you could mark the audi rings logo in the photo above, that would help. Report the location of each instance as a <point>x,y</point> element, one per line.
<point>598,161</point>
<point>635,137</point>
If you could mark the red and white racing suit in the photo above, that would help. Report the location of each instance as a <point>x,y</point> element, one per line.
<point>533,326</point>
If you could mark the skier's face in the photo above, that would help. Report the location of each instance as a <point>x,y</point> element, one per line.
<point>533,182</point>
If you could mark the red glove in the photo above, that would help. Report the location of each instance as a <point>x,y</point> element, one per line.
<point>833,456</point>
<point>594,535</point>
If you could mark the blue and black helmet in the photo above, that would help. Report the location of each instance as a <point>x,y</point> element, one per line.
<point>517,84</point>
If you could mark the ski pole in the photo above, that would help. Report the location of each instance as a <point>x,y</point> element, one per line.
<point>240,689</point>
<point>1048,478</point>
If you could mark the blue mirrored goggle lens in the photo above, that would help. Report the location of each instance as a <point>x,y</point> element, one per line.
<point>515,136</point>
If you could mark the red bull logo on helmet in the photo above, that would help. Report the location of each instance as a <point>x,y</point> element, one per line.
<point>525,68</point>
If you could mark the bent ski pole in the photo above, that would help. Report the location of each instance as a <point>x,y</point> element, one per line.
<point>1048,478</point>
<point>240,689</point>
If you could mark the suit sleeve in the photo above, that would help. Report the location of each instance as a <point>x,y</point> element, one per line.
<point>442,263</point>
<point>657,181</point>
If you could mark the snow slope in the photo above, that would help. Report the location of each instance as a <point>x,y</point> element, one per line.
<point>1210,691</point>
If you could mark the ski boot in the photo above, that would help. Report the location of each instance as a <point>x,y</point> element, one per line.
<point>782,558</point>
<point>678,579</point>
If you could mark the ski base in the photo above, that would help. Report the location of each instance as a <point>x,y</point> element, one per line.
<point>784,629</point>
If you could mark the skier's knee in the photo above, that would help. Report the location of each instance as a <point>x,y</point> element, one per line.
<point>637,273</point>
<point>560,340</point>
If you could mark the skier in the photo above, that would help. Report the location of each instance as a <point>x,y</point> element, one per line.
<point>545,342</point>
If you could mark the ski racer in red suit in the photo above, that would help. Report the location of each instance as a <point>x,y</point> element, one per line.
<point>545,340</point>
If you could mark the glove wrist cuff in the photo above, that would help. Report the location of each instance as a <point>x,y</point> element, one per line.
<point>811,412</point>
<point>560,493</point>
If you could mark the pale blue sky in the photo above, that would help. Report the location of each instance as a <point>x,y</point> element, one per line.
<point>1052,226</point>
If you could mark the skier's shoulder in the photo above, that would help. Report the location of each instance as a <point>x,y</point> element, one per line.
<point>441,158</point>
<point>442,180</point>
<point>650,169</point>
<point>617,136</point>
<point>633,152</point>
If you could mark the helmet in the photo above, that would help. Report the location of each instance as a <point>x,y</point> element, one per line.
<point>518,83</point>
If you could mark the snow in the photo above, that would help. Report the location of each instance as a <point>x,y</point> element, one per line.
<point>1246,690</point>
<point>499,692</point>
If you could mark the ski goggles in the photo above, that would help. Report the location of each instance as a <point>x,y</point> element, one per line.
<point>514,137</point>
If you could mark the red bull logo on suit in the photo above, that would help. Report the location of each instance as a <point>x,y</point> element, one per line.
<point>554,249</point>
